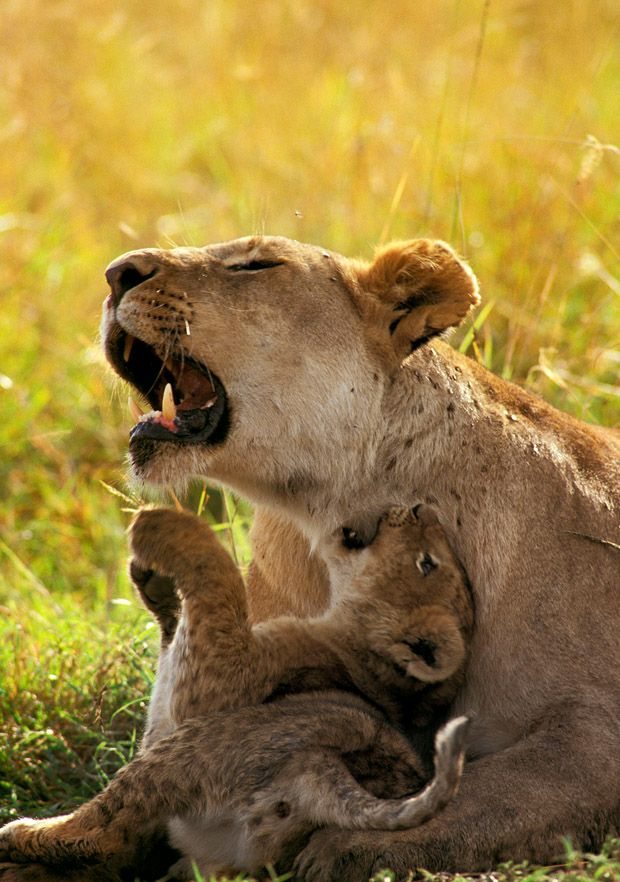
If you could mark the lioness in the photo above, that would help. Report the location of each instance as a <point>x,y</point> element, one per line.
<point>315,386</point>
<point>241,784</point>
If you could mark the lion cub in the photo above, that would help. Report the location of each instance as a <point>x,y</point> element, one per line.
<point>396,632</point>
<point>242,772</point>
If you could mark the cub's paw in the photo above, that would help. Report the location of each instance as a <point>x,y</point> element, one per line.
<point>159,595</point>
<point>169,541</point>
<point>431,646</point>
<point>155,590</point>
<point>23,873</point>
<point>31,873</point>
<point>40,873</point>
<point>14,840</point>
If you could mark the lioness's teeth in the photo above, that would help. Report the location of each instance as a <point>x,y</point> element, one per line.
<point>168,407</point>
<point>208,403</point>
<point>134,410</point>
<point>127,348</point>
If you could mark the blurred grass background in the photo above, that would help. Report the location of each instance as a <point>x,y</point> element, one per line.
<point>494,125</point>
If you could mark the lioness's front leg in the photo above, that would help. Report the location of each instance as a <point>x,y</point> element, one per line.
<point>513,805</point>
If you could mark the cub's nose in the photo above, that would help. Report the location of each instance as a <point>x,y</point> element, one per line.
<point>130,270</point>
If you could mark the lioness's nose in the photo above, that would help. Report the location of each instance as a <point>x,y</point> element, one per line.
<point>130,270</point>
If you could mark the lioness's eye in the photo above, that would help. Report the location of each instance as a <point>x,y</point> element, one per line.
<point>426,563</point>
<point>253,266</point>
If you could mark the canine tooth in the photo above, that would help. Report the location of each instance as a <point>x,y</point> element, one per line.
<point>168,407</point>
<point>187,330</point>
<point>127,348</point>
<point>135,410</point>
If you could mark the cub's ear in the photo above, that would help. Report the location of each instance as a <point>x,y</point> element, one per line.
<point>425,287</point>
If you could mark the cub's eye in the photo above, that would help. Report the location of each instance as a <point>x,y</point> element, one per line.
<point>352,539</point>
<point>426,563</point>
<point>254,266</point>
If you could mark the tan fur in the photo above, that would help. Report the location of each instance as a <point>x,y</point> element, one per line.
<point>331,426</point>
<point>240,784</point>
<point>383,605</point>
<point>328,426</point>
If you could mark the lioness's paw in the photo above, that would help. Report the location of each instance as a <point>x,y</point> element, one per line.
<point>10,872</point>
<point>335,856</point>
<point>357,856</point>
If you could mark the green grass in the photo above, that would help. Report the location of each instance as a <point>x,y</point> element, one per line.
<point>494,126</point>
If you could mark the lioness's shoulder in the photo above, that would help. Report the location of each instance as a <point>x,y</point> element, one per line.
<point>595,449</point>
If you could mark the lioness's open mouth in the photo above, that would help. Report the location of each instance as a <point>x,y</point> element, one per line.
<point>189,402</point>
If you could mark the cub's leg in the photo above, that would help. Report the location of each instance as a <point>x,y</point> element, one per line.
<point>206,659</point>
<point>559,780</point>
<point>327,793</point>
<point>179,546</point>
<point>172,777</point>
<point>109,828</point>
<point>215,767</point>
<point>216,660</point>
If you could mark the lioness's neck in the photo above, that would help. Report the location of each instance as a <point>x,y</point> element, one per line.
<point>478,449</point>
<point>429,414</point>
<point>447,432</point>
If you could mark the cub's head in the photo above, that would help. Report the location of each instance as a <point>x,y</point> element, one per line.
<point>257,360</point>
<point>407,592</point>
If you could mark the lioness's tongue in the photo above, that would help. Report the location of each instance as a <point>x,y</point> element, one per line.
<point>197,389</point>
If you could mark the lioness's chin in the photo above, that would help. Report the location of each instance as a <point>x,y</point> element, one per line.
<point>165,463</point>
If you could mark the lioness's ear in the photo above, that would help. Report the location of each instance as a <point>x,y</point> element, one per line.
<point>425,286</point>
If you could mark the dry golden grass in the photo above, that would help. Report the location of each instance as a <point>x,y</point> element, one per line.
<point>489,125</point>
